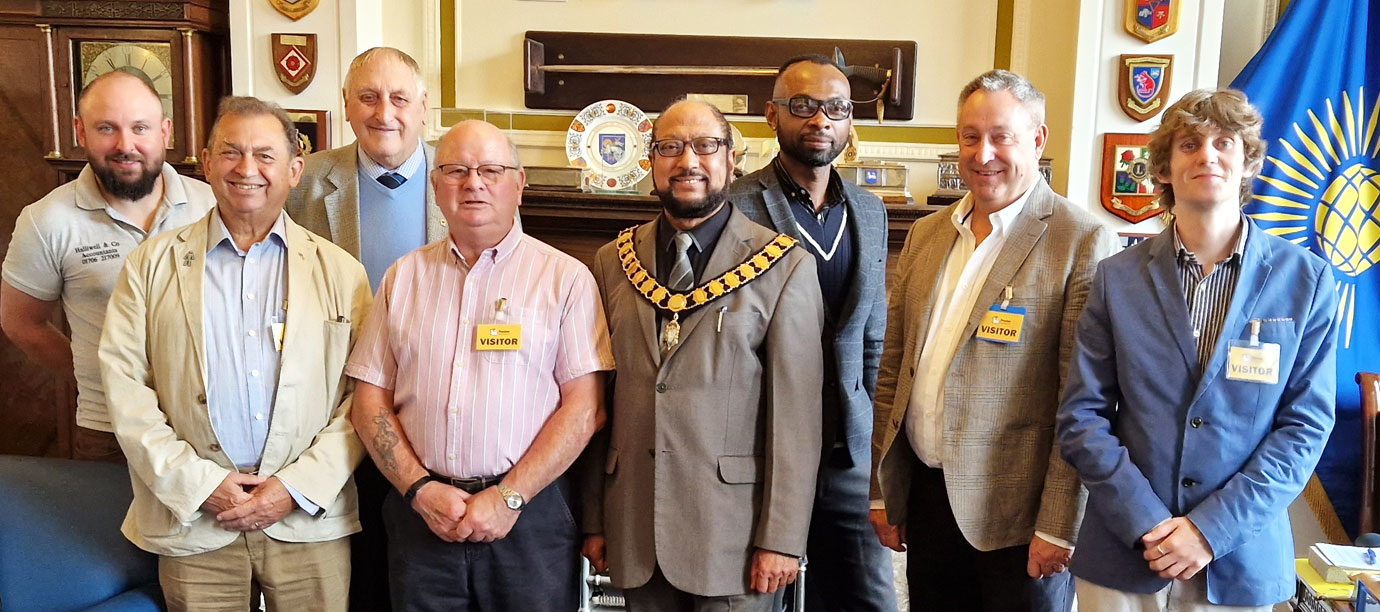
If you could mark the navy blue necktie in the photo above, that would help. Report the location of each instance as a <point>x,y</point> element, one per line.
<point>391,180</point>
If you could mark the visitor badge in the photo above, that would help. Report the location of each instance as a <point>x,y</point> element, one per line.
<point>1253,360</point>
<point>1002,324</point>
<point>498,337</point>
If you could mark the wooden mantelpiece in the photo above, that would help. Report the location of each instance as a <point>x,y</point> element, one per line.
<point>579,223</point>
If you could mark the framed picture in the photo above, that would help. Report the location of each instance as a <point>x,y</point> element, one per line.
<point>1127,190</point>
<point>313,129</point>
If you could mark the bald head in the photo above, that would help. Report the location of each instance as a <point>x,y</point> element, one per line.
<point>678,111</point>
<point>476,134</point>
<point>120,86</point>
<point>802,74</point>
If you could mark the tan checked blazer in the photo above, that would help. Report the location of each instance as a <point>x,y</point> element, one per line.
<point>153,365</point>
<point>1004,475</point>
<point>711,452</point>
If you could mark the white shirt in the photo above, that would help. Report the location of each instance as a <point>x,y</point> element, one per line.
<point>965,272</point>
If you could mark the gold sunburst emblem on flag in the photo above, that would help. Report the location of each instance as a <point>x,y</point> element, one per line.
<point>1331,162</point>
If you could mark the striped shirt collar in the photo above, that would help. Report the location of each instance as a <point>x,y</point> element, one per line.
<point>1237,252</point>
<point>498,252</point>
<point>407,170</point>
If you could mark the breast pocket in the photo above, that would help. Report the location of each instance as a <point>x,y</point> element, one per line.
<point>527,348</point>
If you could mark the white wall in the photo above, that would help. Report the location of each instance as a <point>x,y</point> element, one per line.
<point>1195,47</point>
<point>343,29</point>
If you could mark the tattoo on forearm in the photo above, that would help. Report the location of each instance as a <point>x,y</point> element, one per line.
<point>385,440</point>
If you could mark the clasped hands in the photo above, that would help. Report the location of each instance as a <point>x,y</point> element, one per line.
<point>248,502</point>
<point>1176,549</point>
<point>456,516</point>
<point>769,571</point>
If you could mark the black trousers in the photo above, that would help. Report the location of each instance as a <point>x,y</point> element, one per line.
<point>849,569</point>
<point>369,547</point>
<point>533,568</point>
<point>946,573</point>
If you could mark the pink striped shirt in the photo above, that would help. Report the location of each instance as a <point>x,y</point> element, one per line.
<point>468,412</point>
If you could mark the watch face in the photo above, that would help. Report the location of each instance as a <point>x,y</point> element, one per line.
<point>514,502</point>
<point>151,60</point>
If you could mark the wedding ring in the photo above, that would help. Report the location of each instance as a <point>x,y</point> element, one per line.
<point>1161,549</point>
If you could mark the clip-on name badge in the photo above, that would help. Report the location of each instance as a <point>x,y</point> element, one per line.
<point>1002,322</point>
<point>1253,360</point>
<point>499,336</point>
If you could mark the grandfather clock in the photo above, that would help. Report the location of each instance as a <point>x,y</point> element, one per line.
<point>182,47</point>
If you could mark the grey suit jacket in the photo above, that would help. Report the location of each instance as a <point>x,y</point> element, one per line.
<point>1004,474</point>
<point>712,451</point>
<point>326,201</point>
<point>858,333</point>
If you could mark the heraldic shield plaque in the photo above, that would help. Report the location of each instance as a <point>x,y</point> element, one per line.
<point>294,60</point>
<point>1127,190</point>
<point>1143,84</point>
<point>1151,20</point>
<point>294,9</point>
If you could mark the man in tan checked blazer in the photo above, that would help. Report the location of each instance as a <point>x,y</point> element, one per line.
<point>979,331</point>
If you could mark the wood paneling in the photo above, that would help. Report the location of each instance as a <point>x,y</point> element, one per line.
<point>32,418</point>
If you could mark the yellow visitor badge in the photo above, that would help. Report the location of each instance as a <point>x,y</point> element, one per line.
<point>1253,360</point>
<point>1002,326</point>
<point>498,337</point>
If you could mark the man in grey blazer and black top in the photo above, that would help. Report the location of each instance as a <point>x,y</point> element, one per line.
<point>375,187</point>
<point>800,194</point>
<point>979,336</point>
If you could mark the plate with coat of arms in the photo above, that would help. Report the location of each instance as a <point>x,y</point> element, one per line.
<point>609,140</point>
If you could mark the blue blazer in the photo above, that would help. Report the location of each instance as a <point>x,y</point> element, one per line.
<point>1151,441</point>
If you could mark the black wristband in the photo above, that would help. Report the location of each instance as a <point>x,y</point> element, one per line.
<point>417,486</point>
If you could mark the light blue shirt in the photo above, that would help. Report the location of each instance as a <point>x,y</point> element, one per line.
<point>243,296</point>
<point>407,169</point>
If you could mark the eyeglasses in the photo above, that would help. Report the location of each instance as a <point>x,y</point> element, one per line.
<point>704,145</point>
<point>456,174</point>
<point>805,107</point>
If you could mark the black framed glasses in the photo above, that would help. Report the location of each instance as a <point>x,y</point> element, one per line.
<point>704,145</point>
<point>805,107</point>
<point>456,174</point>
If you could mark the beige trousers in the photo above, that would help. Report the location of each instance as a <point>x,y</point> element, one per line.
<point>1179,596</point>
<point>292,576</point>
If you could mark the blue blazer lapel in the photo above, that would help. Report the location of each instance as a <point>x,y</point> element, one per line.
<point>778,208</point>
<point>1164,275</point>
<point>1255,271</point>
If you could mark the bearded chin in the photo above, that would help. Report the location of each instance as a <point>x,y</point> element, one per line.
<point>136,189</point>
<point>813,158</point>
<point>695,209</point>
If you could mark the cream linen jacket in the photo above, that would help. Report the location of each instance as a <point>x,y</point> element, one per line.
<point>153,365</point>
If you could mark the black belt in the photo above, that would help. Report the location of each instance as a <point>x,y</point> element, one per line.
<point>469,485</point>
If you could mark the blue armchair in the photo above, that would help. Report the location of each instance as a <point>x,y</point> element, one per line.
<point>60,544</point>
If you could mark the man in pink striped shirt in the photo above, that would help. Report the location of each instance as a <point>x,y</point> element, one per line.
<point>480,380</point>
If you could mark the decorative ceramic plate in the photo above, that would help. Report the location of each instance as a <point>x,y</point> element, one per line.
<point>610,140</point>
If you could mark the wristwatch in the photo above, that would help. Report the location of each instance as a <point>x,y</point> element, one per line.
<point>417,486</point>
<point>512,498</point>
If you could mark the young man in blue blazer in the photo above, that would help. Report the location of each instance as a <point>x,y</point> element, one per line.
<point>1201,389</point>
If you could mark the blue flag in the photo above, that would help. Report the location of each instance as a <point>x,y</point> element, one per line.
<point>1317,83</point>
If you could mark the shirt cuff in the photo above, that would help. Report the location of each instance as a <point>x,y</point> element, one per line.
<point>1060,542</point>
<point>877,504</point>
<point>302,502</point>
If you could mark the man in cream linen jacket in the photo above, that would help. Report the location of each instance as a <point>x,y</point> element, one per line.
<point>232,407</point>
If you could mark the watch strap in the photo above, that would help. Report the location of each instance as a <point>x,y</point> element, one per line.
<point>417,486</point>
<point>507,492</point>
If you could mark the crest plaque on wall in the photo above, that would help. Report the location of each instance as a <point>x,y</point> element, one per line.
<point>294,60</point>
<point>1127,190</point>
<point>1151,20</point>
<point>294,9</point>
<point>1143,84</point>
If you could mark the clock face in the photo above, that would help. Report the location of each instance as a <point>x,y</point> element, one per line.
<point>152,60</point>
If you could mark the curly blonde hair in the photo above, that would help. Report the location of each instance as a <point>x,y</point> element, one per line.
<point>1227,110</point>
